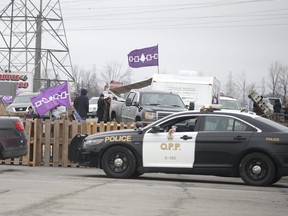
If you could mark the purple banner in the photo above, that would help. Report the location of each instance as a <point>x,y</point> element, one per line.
<point>143,57</point>
<point>50,98</point>
<point>7,99</point>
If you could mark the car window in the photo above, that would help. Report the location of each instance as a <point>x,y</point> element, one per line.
<point>230,104</point>
<point>223,123</point>
<point>183,124</point>
<point>135,99</point>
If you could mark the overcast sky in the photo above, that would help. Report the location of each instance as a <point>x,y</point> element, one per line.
<point>211,36</point>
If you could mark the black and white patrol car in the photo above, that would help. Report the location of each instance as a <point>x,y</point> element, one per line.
<point>209,143</point>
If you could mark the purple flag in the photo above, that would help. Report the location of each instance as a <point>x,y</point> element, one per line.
<point>50,98</point>
<point>143,57</point>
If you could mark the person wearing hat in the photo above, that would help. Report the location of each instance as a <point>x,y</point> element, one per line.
<point>101,108</point>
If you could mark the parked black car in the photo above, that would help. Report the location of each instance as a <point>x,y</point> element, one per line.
<point>13,139</point>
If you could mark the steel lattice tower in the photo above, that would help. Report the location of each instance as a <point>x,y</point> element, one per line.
<point>33,39</point>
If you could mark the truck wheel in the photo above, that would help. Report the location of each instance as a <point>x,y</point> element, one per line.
<point>119,162</point>
<point>257,169</point>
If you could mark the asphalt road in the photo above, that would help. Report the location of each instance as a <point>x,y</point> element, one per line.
<point>49,191</point>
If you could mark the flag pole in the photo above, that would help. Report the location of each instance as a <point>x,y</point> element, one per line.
<point>158,59</point>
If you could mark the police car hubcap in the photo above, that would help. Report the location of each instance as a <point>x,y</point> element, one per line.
<point>118,162</point>
<point>256,170</point>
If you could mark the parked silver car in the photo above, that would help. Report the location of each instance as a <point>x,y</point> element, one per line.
<point>21,103</point>
<point>93,105</point>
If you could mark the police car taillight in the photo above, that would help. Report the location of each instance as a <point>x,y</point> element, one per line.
<point>19,126</point>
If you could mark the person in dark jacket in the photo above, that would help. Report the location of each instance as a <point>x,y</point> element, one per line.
<point>81,104</point>
<point>286,111</point>
<point>101,108</point>
<point>277,109</point>
<point>107,109</point>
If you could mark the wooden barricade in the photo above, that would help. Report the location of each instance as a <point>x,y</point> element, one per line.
<point>48,140</point>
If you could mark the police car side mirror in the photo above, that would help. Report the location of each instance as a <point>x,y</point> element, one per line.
<point>156,129</point>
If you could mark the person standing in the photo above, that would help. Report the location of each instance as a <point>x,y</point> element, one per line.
<point>81,104</point>
<point>286,111</point>
<point>31,114</point>
<point>101,108</point>
<point>277,109</point>
<point>107,109</point>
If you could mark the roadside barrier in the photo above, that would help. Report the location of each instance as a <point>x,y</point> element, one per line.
<point>48,140</point>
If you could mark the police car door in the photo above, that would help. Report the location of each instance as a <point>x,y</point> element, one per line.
<point>172,145</point>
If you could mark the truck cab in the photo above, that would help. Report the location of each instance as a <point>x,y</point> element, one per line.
<point>146,106</point>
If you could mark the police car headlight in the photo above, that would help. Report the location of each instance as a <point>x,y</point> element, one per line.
<point>150,115</point>
<point>88,143</point>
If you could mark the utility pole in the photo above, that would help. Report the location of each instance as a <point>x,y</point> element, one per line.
<point>33,39</point>
<point>37,73</point>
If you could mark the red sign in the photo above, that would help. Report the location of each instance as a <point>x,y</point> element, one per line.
<point>115,84</point>
<point>24,80</point>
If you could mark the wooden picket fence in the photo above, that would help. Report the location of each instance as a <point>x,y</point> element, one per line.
<point>48,140</point>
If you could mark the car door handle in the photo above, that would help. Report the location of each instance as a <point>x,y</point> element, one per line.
<point>185,137</point>
<point>240,138</point>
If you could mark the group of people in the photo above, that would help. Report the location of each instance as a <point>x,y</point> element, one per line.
<point>81,105</point>
<point>103,108</point>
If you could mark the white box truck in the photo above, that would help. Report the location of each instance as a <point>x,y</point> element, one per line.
<point>201,90</point>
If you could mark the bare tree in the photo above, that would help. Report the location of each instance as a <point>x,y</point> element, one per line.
<point>274,78</point>
<point>230,85</point>
<point>242,85</point>
<point>86,79</point>
<point>245,88</point>
<point>113,72</point>
<point>76,73</point>
<point>284,81</point>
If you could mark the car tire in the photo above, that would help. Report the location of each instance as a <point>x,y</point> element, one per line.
<point>276,179</point>
<point>119,162</point>
<point>257,169</point>
<point>137,174</point>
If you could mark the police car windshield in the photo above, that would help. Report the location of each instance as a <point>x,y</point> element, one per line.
<point>161,99</point>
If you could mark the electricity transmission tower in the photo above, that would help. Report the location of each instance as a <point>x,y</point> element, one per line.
<point>33,39</point>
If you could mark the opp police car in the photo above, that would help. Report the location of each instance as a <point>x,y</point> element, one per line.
<point>209,143</point>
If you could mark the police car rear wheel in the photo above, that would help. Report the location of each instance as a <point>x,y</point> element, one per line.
<point>119,162</point>
<point>257,169</point>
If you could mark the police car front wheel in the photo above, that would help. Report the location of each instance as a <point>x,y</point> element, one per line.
<point>119,162</point>
<point>257,169</point>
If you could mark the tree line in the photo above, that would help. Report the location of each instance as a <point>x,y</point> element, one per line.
<point>94,80</point>
<point>276,84</point>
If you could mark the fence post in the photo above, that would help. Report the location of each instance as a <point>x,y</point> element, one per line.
<point>102,127</point>
<point>47,145</point>
<point>29,133</point>
<point>65,143</point>
<point>37,147</point>
<point>56,133</point>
